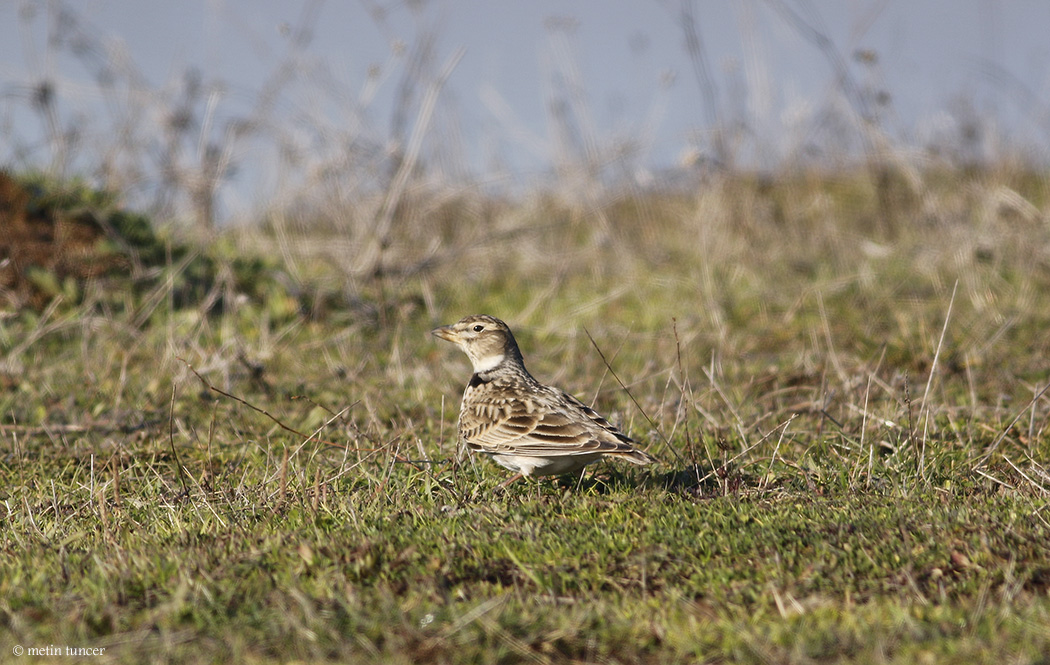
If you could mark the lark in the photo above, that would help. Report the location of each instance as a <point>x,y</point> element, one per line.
<point>523,425</point>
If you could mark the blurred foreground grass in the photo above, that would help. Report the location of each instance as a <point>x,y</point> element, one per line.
<point>844,383</point>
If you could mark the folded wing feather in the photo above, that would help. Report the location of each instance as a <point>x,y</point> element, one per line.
<point>523,427</point>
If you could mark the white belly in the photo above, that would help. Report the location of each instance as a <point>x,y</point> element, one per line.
<point>528,465</point>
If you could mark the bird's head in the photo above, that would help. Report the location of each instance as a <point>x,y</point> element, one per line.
<point>486,340</point>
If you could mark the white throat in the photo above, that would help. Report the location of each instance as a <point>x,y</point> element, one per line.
<point>487,363</point>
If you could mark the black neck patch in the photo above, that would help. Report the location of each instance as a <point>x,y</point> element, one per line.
<point>477,380</point>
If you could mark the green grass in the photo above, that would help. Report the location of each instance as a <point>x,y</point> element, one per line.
<point>853,460</point>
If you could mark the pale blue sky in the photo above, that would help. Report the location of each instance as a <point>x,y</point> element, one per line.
<point>941,61</point>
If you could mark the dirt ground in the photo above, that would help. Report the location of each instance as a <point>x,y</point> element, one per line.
<point>42,246</point>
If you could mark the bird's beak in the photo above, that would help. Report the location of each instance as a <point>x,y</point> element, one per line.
<point>445,333</point>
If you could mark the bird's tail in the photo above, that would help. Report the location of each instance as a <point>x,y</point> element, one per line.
<point>637,457</point>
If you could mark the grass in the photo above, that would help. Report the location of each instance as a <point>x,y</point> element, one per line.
<point>849,417</point>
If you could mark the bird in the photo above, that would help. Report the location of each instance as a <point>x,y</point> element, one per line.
<point>523,425</point>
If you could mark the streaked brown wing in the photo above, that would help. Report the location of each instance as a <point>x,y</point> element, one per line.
<point>532,427</point>
<point>611,432</point>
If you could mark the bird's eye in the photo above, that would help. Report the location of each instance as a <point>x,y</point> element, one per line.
<point>479,328</point>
